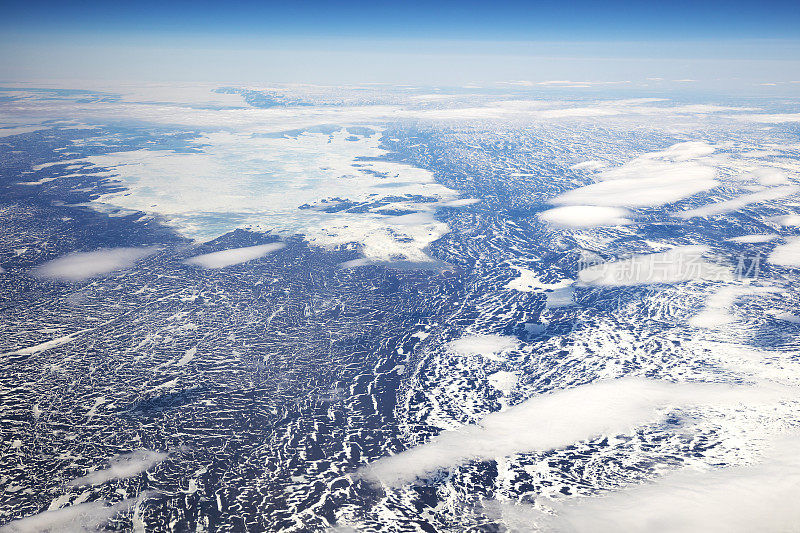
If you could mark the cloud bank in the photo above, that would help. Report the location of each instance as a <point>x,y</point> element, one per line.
<point>717,309</point>
<point>638,192</point>
<point>682,263</point>
<point>754,239</point>
<point>82,265</point>
<point>584,216</point>
<point>761,497</point>
<point>556,420</point>
<point>787,255</point>
<point>122,466</point>
<point>735,204</point>
<point>74,519</point>
<point>650,180</point>
<point>234,256</point>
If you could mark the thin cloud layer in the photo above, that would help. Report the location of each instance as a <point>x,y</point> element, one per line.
<point>589,165</point>
<point>650,180</point>
<point>682,263</point>
<point>122,466</point>
<point>83,265</point>
<point>74,519</point>
<point>787,255</point>
<point>585,216</point>
<point>761,497</point>
<point>717,309</point>
<point>774,118</point>
<point>234,256</point>
<point>735,204</point>
<point>556,420</point>
<point>637,192</point>
<point>755,238</point>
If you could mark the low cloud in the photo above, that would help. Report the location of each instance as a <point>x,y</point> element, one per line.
<point>735,204</point>
<point>717,309</point>
<point>538,110</point>
<point>754,239</point>
<point>682,263</point>
<point>121,467</point>
<point>47,345</point>
<point>503,381</point>
<point>589,165</point>
<point>770,176</point>
<point>650,180</point>
<point>556,420</point>
<point>775,118</point>
<point>233,256</point>
<point>646,181</point>
<point>83,265</point>
<point>74,519</point>
<point>684,151</point>
<point>584,216</point>
<point>787,255</point>
<point>786,220</point>
<point>19,130</point>
<point>742,499</point>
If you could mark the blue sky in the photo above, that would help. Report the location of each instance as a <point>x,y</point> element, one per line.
<point>316,41</point>
<point>464,19</point>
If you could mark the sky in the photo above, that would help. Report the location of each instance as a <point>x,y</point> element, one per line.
<point>394,42</point>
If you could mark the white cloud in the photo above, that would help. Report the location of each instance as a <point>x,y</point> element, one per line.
<point>121,467</point>
<point>234,256</point>
<point>740,499</point>
<point>589,165</point>
<point>84,517</point>
<point>460,202</point>
<point>543,110</point>
<point>665,165</point>
<point>770,176</point>
<point>787,220</point>
<point>556,420</point>
<point>684,151</point>
<point>644,182</point>
<point>82,265</point>
<point>575,112</point>
<point>787,255</point>
<point>716,311</point>
<point>756,238</point>
<point>682,263</point>
<point>47,345</point>
<point>643,192</point>
<point>584,216</point>
<point>649,180</point>
<point>19,130</point>
<point>744,200</point>
<point>775,118</point>
<point>784,315</point>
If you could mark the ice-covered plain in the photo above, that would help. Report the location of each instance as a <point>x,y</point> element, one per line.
<point>534,306</point>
